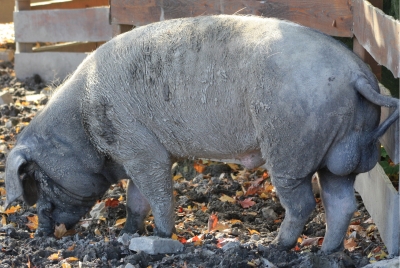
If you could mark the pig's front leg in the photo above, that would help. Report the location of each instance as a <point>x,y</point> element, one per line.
<point>46,222</point>
<point>297,198</point>
<point>137,208</point>
<point>150,171</point>
<point>337,193</point>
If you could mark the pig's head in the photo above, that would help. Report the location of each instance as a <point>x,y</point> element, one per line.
<point>57,203</point>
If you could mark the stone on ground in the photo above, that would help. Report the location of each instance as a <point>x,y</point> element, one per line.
<point>155,245</point>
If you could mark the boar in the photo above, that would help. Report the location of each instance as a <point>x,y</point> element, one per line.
<point>264,91</point>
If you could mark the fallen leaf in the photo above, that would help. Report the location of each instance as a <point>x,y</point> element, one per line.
<point>253,232</point>
<point>248,202</point>
<point>60,231</point>
<point>252,264</point>
<point>33,222</point>
<point>369,221</point>
<point>71,259</point>
<point>252,190</point>
<point>13,209</point>
<point>55,257</point>
<point>196,240</point>
<point>177,177</point>
<point>370,228</point>
<point>212,221</point>
<point>199,167</point>
<point>174,237</point>
<point>268,188</point>
<point>239,193</point>
<point>182,239</point>
<point>223,241</point>
<point>350,244</point>
<point>2,191</point>
<point>97,231</point>
<point>3,220</point>
<point>312,241</point>
<point>233,221</point>
<point>225,198</point>
<point>71,248</point>
<point>357,214</point>
<point>120,222</point>
<point>234,167</point>
<point>112,202</point>
<point>65,265</point>
<point>28,263</point>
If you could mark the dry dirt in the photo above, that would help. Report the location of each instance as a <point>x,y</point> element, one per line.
<point>226,216</point>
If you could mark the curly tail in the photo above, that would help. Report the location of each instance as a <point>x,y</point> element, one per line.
<point>365,89</point>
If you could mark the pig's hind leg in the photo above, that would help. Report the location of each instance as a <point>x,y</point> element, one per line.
<point>297,198</point>
<point>337,193</point>
<point>137,208</point>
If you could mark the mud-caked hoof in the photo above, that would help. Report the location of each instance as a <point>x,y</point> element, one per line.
<point>44,231</point>
<point>332,250</point>
<point>130,230</point>
<point>281,246</point>
<point>164,234</point>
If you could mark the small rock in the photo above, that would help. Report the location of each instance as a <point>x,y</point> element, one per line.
<point>269,214</point>
<point>124,239</point>
<point>235,231</point>
<point>391,263</point>
<point>208,252</point>
<point>155,245</point>
<point>8,124</point>
<point>231,245</point>
<point>267,263</point>
<point>5,98</point>
<point>255,237</point>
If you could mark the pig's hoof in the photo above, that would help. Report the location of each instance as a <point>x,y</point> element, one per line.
<point>163,234</point>
<point>44,232</point>
<point>280,246</point>
<point>128,230</point>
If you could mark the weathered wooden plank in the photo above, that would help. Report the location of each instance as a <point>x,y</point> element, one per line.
<point>332,17</point>
<point>6,10</point>
<point>68,4</point>
<point>378,33</point>
<point>382,202</point>
<point>90,24</point>
<point>47,64</point>
<point>390,140</point>
<point>70,47</point>
<point>367,58</point>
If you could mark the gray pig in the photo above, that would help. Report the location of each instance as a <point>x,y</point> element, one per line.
<point>264,91</point>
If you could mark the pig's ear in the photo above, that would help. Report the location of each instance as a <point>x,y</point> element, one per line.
<point>17,181</point>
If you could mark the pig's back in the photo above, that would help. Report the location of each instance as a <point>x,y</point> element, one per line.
<point>216,86</point>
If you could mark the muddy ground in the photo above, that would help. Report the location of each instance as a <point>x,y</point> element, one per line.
<point>226,216</point>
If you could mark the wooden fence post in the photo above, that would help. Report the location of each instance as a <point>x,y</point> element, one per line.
<point>19,6</point>
<point>363,54</point>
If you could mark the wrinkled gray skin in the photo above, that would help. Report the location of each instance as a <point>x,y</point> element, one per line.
<point>263,91</point>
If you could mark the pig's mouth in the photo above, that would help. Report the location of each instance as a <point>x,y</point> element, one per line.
<point>52,189</point>
<point>57,205</point>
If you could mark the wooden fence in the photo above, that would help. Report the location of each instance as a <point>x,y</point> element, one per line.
<point>376,41</point>
<point>81,25</point>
